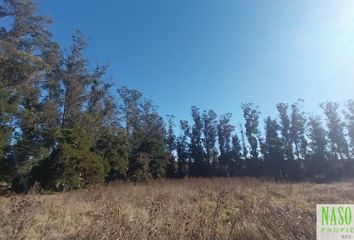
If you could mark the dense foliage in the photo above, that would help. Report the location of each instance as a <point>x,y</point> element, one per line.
<point>61,125</point>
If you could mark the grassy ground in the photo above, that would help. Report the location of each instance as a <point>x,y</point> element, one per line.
<point>186,209</point>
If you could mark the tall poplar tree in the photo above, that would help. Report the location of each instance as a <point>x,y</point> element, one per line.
<point>338,143</point>
<point>285,129</point>
<point>201,166</point>
<point>273,151</point>
<point>349,115</point>
<point>209,140</point>
<point>298,131</point>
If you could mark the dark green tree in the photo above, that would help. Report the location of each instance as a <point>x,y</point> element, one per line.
<point>225,130</point>
<point>201,166</point>
<point>8,106</point>
<point>243,143</point>
<point>251,116</point>
<point>153,139</point>
<point>139,166</point>
<point>76,80</point>
<point>25,64</point>
<point>185,164</point>
<point>273,151</point>
<point>114,151</point>
<point>236,164</point>
<point>182,156</point>
<point>72,164</point>
<point>285,129</point>
<point>22,45</point>
<point>101,114</point>
<point>170,142</point>
<point>146,133</point>
<point>317,163</point>
<point>130,111</point>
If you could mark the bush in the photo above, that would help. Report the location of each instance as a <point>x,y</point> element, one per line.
<point>71,165</point>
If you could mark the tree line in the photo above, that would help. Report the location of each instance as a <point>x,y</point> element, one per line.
<point>64,127</point>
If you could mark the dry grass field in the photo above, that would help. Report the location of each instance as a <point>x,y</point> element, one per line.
<point>237,208</point>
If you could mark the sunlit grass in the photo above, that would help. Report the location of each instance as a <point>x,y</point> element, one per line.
<point>188,209</point>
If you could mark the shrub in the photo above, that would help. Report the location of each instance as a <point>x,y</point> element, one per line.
<point>72,164</point>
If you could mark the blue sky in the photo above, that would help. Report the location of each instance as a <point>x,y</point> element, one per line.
<point>217,54</point>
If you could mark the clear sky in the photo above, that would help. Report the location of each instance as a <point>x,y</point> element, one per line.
<point>216,54</point>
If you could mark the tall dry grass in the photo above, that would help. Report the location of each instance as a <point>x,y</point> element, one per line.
<point>232,208</point>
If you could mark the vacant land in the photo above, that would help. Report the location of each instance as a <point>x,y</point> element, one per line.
<point>187,209</point>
